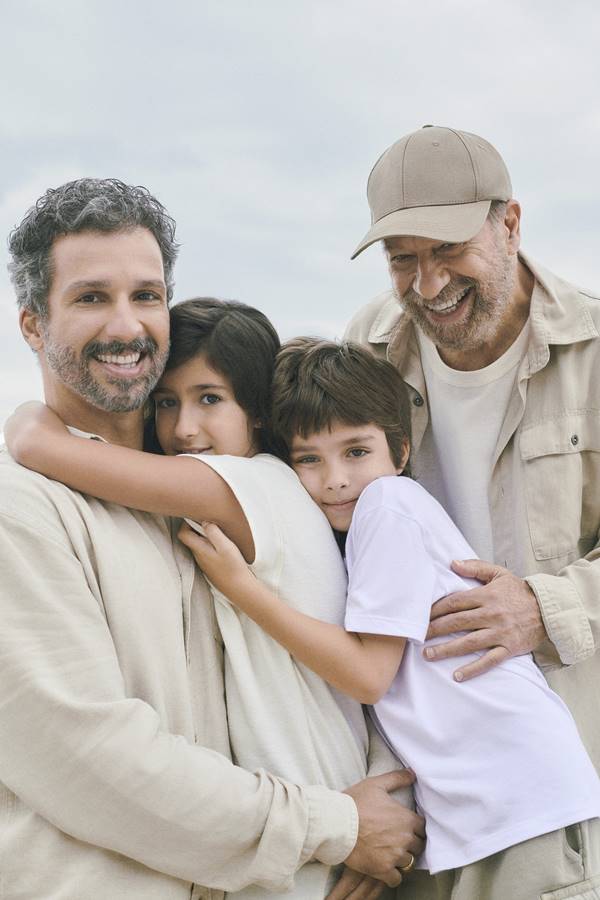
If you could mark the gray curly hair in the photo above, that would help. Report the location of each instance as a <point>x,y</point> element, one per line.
<point>88,204</point>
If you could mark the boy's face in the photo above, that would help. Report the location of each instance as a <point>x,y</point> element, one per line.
<point>336,465</point>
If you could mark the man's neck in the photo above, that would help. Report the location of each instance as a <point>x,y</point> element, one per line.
<point>468,360</point>
<point>125,429</point>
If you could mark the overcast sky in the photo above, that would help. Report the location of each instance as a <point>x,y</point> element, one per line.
<point>257,124</point>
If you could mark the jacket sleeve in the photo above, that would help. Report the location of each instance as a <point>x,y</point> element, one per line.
<point>95,763</point>
<point>570,610</point>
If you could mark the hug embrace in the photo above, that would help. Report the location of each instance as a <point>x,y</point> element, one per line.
<point>185,722</point>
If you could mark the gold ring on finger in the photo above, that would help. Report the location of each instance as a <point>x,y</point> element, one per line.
<point>409,866</point>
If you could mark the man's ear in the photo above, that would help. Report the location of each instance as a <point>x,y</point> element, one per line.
<point>512,223</point>
<point>31,329</point>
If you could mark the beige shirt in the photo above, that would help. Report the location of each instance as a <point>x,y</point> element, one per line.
<point>544,491</point>
<point>113,742</point>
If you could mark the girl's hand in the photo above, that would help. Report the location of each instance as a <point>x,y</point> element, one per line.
<point>27,428</point>
<point>219,559</point>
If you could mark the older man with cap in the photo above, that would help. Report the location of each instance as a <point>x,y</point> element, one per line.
<point>502,361</point>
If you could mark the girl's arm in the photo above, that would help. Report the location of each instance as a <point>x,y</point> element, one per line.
<point>360,665</point>
<point>165,485</point>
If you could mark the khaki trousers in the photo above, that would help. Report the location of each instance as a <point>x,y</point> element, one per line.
<point>561,865</point>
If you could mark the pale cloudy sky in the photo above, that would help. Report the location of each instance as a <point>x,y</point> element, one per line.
<point>257,124</point>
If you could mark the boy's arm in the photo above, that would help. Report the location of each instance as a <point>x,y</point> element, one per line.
<point>360,665</point>
<point>164,485</point>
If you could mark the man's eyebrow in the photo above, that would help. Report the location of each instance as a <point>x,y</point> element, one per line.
<point>102,285</point>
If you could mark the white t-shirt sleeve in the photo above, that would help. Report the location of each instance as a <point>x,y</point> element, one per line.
<point>251,479</point>
<point>391,575</point>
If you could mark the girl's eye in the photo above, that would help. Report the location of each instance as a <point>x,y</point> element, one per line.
<point>209,399</point>
<point>165,402</point>
<point>305,460</point>
<point>357,452</point>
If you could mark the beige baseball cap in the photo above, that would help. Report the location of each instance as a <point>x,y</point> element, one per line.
<point>436,183</point>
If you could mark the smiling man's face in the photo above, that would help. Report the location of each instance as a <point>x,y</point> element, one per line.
<point>105,341</point>
<point>460,295</point>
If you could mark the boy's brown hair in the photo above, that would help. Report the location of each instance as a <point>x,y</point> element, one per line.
<point>318,383</point>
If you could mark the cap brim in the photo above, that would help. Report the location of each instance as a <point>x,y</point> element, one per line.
<point>456,223</point>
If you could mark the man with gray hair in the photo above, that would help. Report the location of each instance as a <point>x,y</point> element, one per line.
<point>502,361</point>
<point>114,755</point>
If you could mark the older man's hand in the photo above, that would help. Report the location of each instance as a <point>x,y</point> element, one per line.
<point>390,836</point>
<point>502,617</point>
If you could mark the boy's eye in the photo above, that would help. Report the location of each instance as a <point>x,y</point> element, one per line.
<point>305,460</point>
<point>210,399</point>
<point>164,402</point>
<point>357,452</point>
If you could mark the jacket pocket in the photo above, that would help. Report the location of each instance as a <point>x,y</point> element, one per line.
<point>561,463</point>
<point>583,890</point>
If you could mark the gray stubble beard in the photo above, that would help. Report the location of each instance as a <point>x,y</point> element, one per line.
<point>76,375</point>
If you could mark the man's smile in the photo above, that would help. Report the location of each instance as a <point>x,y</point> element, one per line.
<point>449,306</point>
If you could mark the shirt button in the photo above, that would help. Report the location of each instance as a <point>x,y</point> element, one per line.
<point>418,401</point>
<point>574,439</point>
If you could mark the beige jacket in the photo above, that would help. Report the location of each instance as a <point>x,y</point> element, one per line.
<point>113,740</point>
<point>544,491</point>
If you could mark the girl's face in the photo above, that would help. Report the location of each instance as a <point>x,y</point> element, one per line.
<point>196,412</point>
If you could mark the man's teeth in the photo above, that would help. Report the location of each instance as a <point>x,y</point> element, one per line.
<point>450,305</point>
<point>128,360</point>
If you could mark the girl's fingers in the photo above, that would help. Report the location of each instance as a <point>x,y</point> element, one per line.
<point>192,540</point>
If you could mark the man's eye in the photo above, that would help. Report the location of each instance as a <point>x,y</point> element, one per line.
<point>89,298</point>
<point>210,399</point>
<point>357,452</point>
<point>148,296</point>
<point>450,248</point>
<point>402,259</point>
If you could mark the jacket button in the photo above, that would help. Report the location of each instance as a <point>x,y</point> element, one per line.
<point>574,439</point>
<point>418,400</point>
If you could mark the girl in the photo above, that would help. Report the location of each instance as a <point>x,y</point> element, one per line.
<point>498,759</point>
<point>213,407</point>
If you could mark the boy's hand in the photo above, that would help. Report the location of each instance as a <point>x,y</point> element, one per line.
<point>24,429</point>
<point>355,886</point>
<point>390,836</point>
<point>219,559</point>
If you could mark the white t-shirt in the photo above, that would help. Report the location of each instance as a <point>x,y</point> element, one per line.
<point>282,717</point>
<point>498,759</point>
<point>466,411</point>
